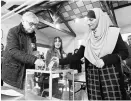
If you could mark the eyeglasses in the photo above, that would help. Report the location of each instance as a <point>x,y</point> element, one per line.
<point>31,24</point>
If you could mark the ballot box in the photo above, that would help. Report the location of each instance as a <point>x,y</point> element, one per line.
<point>53,85</point>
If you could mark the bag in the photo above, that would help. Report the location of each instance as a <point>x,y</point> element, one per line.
<point>126,73</point>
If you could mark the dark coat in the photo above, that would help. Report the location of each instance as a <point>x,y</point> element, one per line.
<point>77,65</point>
<point>128,60</point>
<point>100,81</point>
<point>15,59</point>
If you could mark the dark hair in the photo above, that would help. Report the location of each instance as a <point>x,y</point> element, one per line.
<point>129,36</point>
<point>61,47</point>
<point>75,50</point>
<point>53,45</point>
<point>91,14</point>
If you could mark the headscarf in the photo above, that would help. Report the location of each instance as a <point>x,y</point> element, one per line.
<point>103,41</point>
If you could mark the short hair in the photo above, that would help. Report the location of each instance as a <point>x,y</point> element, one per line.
<point>91,14</point>
<point>30,16</point>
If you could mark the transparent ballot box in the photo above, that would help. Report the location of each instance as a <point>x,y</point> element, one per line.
<point>53,85</point>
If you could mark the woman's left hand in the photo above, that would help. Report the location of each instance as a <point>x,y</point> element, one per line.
<point>99,63</point>
<point>64,55</point>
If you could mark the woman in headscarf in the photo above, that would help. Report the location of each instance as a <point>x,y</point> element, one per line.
<point>101,48</point>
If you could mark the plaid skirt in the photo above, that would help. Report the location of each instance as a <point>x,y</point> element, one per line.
<point>103,84</point>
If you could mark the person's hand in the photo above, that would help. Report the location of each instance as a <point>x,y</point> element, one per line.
<point>124,61</point>
<point>56,60</point>
<point>51,65</point>
<point>64,55</point>
<point>39,63</point>
<point>99,63</point>
<point>83,60</point>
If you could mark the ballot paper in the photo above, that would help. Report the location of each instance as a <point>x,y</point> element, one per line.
<point>11,92</point>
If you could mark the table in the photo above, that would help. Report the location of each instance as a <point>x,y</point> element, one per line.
<point>17,98</point>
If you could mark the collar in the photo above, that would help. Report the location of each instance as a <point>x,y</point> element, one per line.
<point>22,28</point>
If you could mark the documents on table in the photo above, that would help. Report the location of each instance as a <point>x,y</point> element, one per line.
<point>11,92</point>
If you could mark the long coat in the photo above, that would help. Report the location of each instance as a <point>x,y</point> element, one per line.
<point>16,58</point>
<point>106,83</point>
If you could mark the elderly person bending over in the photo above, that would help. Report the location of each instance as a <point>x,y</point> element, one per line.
<point>18,55</point>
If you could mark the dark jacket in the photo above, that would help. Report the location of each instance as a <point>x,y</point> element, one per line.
<point>77,65</point>
<point>128,60</point>
<point>16,59</point>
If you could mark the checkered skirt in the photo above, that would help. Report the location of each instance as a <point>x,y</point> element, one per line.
<point>103,84</point>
